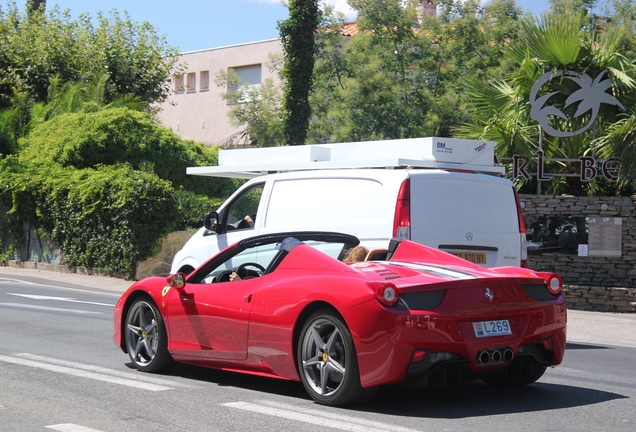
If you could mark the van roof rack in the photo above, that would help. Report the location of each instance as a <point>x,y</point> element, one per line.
<point>429,152</point>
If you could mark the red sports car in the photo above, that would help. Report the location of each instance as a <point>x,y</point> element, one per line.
<point>410,314</point>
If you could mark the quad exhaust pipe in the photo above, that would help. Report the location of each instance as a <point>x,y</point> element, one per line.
<point>494,356</point>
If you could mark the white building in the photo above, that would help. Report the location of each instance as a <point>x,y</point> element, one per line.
<point>196,110</point>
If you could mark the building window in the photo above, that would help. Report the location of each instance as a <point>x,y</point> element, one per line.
<point>204,80</point>
<point>178,84</point>
<point>248,75</point>
<point>191,81</point>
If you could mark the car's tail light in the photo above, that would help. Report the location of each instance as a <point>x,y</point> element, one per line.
<point>402,219</point>
<point>553,282</point>
<point>522,231</point>
<point>418,355</point>
<point>385,292</point>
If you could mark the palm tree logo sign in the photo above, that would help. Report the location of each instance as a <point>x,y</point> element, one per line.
<point>591,94</point>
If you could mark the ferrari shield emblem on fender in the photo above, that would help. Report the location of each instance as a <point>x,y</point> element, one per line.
<point>165,291</point>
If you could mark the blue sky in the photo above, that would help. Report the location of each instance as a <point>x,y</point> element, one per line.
<point>199,24</point>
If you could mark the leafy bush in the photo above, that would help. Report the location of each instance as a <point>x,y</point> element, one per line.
<point>106,186</point>
<point>7,141</point>
<point>110,217</point>
<point>119,135</point>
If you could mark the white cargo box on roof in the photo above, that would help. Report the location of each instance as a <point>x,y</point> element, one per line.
<point>430,152</point>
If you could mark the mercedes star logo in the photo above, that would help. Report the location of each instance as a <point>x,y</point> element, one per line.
<point>469,236</point>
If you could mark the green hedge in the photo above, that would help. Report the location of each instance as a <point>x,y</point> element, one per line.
<point>109,218</point>
<point>114,136</point>
<point>106,186</point>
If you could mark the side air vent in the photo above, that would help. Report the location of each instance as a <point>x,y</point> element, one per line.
<point>539,292</point>
<point>388,275</point>
<point>423,300</point>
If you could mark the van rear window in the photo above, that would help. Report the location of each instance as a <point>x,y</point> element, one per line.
<point>476,202</point>
<point>326,203</point>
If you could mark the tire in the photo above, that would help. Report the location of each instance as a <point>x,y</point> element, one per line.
<point>516,376</point>
<point>186,270</point>
<point>146,338</point>
<point>327,361</point>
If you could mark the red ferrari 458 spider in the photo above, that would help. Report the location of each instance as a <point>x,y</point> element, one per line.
<point>410,314</point>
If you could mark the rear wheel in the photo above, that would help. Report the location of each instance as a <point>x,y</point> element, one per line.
<point>327,361</point>
<point>146,339</point>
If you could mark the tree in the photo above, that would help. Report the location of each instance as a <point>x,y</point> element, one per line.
<point>84,97</point>
<point>400,78</point>
<point>258,109</point>
<point>35,5</point>
<point>396,77</point>
<point>297,36</point>
<point>44,45</point>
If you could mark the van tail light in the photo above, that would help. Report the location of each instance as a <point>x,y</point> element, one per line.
<point>402,219</point>
<point>522,231</point>
<point>553,281</point>
<point>385,292</point>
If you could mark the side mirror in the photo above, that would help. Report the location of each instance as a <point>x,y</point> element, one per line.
<point>176,280</point>
<point>211,221</point>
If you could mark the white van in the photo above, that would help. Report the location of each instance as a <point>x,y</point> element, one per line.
<point>456,209</point>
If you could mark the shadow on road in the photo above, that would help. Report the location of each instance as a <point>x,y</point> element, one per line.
<point>472,399</point>
<point>237,379</point>
<point>475,399</point>
<point>580,346</point>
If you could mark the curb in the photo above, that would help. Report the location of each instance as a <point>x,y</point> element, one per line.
<point>60,268</point>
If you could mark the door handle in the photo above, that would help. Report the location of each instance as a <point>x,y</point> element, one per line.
<point>247,298</point>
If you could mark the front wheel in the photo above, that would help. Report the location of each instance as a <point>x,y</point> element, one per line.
<point>146,339</point>
<point>327,361</point>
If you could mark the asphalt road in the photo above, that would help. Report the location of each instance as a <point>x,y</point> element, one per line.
<point>59,370</point>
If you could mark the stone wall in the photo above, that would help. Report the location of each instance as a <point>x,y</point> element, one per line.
<point>592,283</point>
<point>600,299</point>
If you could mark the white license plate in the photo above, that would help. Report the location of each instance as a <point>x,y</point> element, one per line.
<point>492,328</point>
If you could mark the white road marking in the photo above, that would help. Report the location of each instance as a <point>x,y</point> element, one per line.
<point>567,369</point>
<point>334,416</point>
<point>83,374</point>
<point>66,299</point>
<point>49,308</point>
<point>70,427</point>
<point>60,288</point>
<point>128,375</point>
<point>315,417</point>
<point>14,281</point>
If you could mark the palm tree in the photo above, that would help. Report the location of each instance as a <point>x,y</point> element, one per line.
<point>82,96</point>
<point>587,83</point>
<point>17,121</point>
